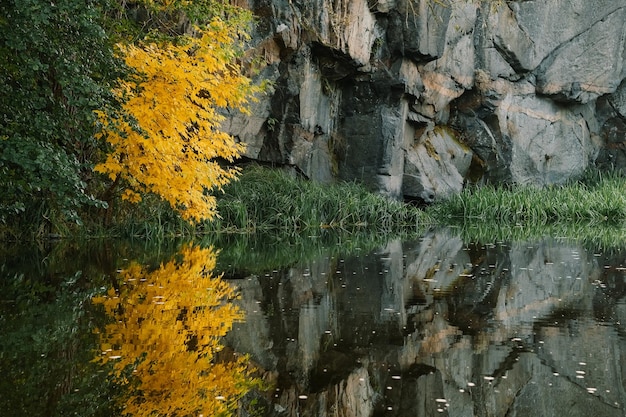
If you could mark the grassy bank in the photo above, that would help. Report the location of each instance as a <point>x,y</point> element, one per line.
<point>267,200</point>
<point>262,200</point>
<point>594,199</point>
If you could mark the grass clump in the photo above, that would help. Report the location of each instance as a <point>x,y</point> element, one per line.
<point>596,198</point>
<point>271,200</point>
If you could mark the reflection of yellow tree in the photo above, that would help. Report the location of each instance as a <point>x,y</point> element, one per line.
<point>167,329</point>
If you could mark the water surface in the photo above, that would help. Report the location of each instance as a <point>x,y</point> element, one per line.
<point>430,327</point>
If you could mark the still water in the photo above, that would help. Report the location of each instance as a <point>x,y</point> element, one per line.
<point>436,326</point>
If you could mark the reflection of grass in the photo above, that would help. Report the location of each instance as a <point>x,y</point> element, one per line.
<point>597,235</point>
<point>596,199</point>
<point>244,254</point>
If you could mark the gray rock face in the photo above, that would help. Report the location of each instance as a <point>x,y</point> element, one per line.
<point>618,100</point>
<point>612,114</point>
<point>588,66</point>
<point>417,29</point>
<point>534,90</point>
<point>549,144</point>
<point>435,166</point>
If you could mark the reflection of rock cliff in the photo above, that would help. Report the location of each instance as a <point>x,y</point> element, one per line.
<point>441,328</point>
<point>416,97</point>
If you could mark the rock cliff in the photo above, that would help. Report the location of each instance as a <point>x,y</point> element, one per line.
<point>416,98</point>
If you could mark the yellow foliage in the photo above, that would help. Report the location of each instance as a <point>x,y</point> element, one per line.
<point>172,149</point>
<point>165,331</point>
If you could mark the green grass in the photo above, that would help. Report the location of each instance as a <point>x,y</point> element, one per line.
<point>591,210</point>
<point>269,200</point>
<point>595,199</point>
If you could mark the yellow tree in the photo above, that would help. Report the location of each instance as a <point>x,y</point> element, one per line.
<point>170,140</point>
<point>163,337</point>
